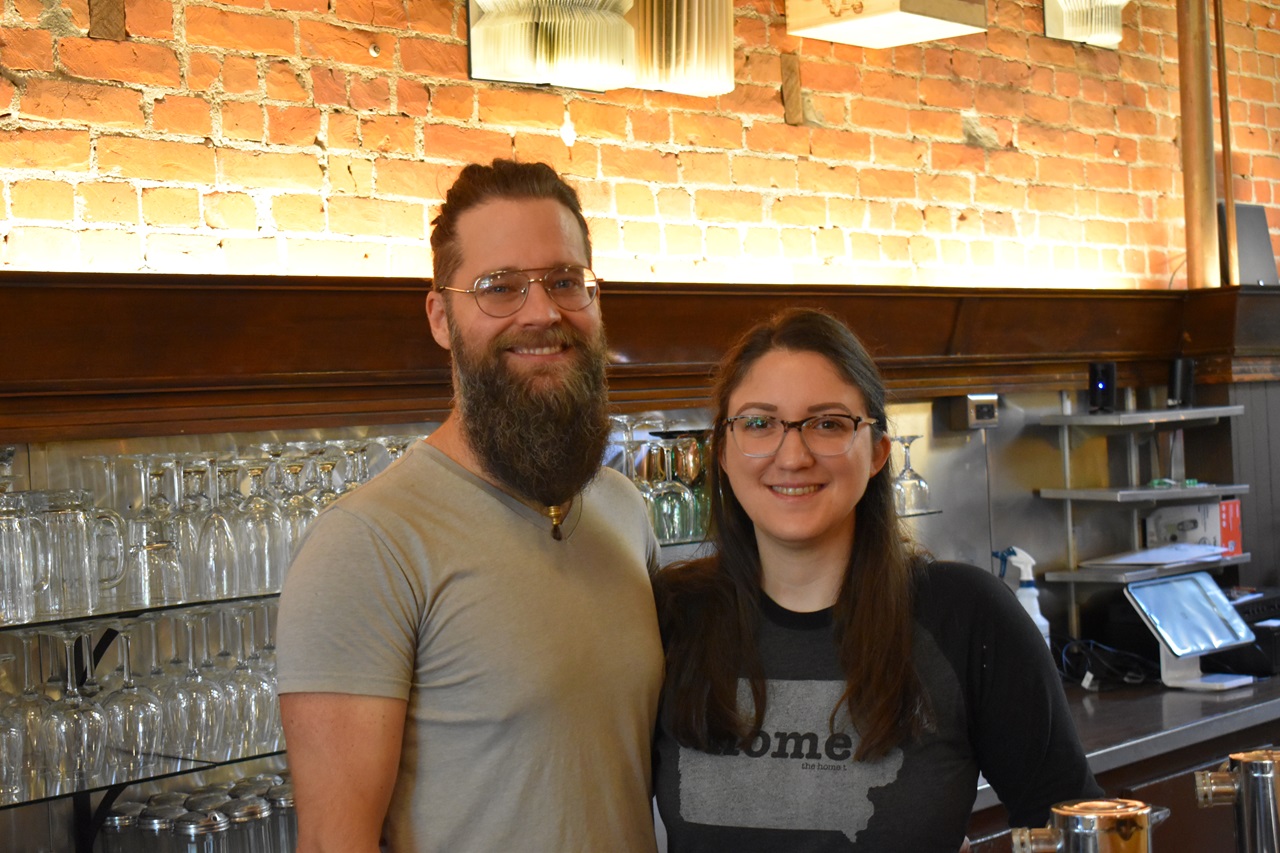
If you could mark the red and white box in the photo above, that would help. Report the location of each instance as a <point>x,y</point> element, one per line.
<point>1213,523</point>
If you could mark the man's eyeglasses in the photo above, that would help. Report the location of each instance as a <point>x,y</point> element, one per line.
<point>824,435</point>
<point>502,293</point>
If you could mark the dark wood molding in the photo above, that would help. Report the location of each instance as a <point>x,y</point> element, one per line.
<point>90,355</point>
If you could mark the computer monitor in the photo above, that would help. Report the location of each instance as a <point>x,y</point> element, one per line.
<point>1190,616</point>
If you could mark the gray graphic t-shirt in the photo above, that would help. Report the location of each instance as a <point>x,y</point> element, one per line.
<point>997,705</point>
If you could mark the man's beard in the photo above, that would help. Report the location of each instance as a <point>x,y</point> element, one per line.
<point>542,437</point>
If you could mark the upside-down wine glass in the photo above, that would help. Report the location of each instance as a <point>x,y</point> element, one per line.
<point>13,746</point>
<point>218,554</point>
<point>73,731</point>
<point>194,706</point>
<point>675,507</point>
<point>251,714</point>
<point>135,716</point>
<point>264,550</point>
<point>909,489</point>
<point>297,509</point>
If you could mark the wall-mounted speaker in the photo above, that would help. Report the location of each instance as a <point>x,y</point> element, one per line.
<point>1102,387</point>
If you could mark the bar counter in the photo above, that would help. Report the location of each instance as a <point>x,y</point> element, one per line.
<point>1146,741</point>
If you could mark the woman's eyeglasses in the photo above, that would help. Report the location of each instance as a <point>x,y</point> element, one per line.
<point>823,435</point>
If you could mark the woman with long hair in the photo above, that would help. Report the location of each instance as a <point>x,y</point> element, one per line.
<point>829,687</point>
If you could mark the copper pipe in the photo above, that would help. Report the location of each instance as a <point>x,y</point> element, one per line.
<point>1196,101</point>
<point>1224,107</point>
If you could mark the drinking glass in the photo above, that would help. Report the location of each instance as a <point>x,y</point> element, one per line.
<point>194,706</point>
<point>675,507</point>
<point>135,717</point>
<point>22,563</point>
<point>297,509</point>
<point>325,472</point>
<point>251,700</point>
<point>627,425</point>
<point>183,529</point>
<point>690,471</point>
<point>153,576</point>
<point>84,548</point>
<point>261,536</point>
<point>356,452</point>
<point>73,731</point>
<point>910,490</point>
<point>272,452</point>
<point>218,556</point>
<point>146,521</point>
<point>13,746</point>
<point>395,445</point>
<point>28,707</point>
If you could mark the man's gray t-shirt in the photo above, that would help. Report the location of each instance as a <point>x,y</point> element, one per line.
<point>531,666</point>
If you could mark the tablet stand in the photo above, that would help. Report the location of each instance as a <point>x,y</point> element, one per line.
<point>1184,672</point>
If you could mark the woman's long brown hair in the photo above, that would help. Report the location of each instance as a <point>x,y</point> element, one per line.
<point>710,608</point>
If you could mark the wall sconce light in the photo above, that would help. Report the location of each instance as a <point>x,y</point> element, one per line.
<point>1095,22</point>
<point>885,23</point>
<point>582,44</point>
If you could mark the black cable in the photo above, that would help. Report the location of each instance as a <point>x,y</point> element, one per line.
<point>1109,667</point>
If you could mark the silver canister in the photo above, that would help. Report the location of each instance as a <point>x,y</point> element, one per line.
<point>1093,826</point>
<point>1246,780</point>
<point>202,832</point>
<point>250,825</point>
<point>284,817</point>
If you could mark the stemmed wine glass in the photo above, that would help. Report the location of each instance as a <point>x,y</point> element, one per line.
<point>910,490</point>
<point>28,707</point>
<point>297,509</point>
<point>218,554</point>
<point>628,425</point>
<point>356,451</point>
<point>675,507</point>
<point>251,712</point>
<point>135,717</point>
<point>13,746</point>
<point>689,469</point>
<point>184,527</point>
<point>194,706</point>
<point>264,549</point>
<point>325,491</point>
<point>395,445</point>
<point>73,731</point>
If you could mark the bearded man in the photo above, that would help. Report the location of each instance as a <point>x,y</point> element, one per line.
<point>468,654</point>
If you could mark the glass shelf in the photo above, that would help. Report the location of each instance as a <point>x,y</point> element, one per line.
<point>1142,573</point>
<point>1145,494</point>
<point>108,616</point>
<point>165,766</point>
<point>1149,419</point>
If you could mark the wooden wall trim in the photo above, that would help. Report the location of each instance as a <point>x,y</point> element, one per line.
<point>90,355</point>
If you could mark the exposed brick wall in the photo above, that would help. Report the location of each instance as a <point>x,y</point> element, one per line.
<point>314,136</point>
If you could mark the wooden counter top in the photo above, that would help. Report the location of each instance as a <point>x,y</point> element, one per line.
<point>1122,727</point>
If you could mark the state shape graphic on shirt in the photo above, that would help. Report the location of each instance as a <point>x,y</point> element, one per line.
<point>796,774</point>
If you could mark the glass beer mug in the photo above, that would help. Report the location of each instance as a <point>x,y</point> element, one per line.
<point>85,547</point>
<point>22,563</point>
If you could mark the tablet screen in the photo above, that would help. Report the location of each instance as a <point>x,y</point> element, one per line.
<point>1189,613</point>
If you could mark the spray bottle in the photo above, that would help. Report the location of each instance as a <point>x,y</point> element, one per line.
<point>1027,592</point>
